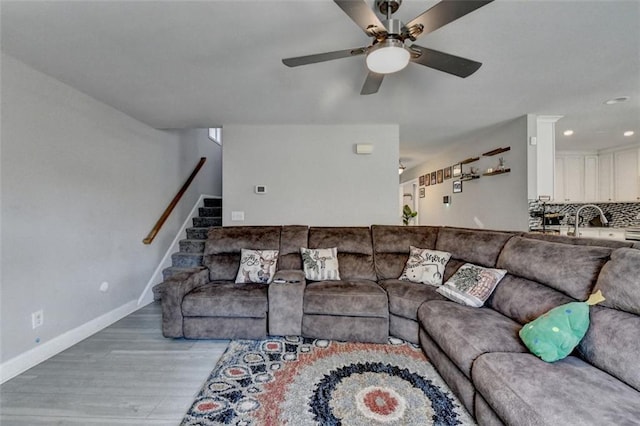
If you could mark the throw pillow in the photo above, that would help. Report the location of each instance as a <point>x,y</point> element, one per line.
<point>257,266</point>
<point>471,285</point>
<point>320,264</point>
<point>425,266</point>
<point>554,335</point>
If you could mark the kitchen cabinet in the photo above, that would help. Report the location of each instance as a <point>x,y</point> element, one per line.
<point>605,177</point>
<point>626,175</point>
<point>571,178</point>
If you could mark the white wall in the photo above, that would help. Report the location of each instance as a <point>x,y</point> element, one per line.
<point>491,202</point>
<point>82,185</point>
<point>312,173</point>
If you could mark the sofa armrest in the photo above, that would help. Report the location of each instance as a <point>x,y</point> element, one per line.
<point>285,303</point>
<point>175,288</point>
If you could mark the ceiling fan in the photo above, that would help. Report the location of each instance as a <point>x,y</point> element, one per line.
<point>388,52</point>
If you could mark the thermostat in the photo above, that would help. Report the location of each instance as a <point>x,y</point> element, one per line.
<point>261,189</point>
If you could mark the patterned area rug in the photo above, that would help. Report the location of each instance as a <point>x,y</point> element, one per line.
<point>296,381</point>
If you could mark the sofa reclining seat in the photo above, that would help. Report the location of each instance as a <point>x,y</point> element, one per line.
<point>354,308</point>
<point>208,304</point>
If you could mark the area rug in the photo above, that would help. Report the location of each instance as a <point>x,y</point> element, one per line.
<point>298,382</point>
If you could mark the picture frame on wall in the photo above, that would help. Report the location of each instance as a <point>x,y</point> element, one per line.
<point>427,180</point>
<point>457,170</point>
<point>440,176</point>
<point>433,178</point>
<point>422,193</point>
<point>421,180</point>
<point>447,172</point>
<point>457,186</point>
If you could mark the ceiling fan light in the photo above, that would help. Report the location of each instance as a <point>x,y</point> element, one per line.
<point>388,57</point>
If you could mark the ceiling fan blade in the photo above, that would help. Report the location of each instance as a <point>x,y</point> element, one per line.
<point>444,62</point>
<point>372,83</point>
<point>362,15</point>
<point>322,57</point>
<point>443,13</point>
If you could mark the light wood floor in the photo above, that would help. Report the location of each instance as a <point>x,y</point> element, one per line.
<point>127,374</point>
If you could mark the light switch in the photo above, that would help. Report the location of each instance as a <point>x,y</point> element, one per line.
<point>237,216</point>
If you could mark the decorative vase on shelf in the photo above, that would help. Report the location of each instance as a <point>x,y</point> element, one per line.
<point>501,163</point>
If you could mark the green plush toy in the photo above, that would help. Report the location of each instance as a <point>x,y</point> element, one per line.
<point>555,334</point>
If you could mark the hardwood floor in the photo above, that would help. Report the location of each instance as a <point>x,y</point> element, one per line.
<point>127,374</point>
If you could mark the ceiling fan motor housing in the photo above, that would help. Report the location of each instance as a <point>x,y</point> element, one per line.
<point>385,6</point>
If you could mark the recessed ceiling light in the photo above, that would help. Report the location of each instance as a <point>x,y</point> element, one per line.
<point>629,133</point>
<point>568,132</point>
<point>617,100</point>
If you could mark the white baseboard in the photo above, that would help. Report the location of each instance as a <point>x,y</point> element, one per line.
<point>35,356</point>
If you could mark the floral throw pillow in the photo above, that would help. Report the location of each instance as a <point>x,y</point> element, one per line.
<point>425,266</point>
<point>320,264</point>
<point>471,285</point>
<point>257,266</point>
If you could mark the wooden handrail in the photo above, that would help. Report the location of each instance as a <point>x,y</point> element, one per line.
<point>174,202</point>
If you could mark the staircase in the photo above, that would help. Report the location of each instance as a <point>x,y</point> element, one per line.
<point>192,248</point>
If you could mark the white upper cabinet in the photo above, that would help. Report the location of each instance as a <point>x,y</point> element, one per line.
<point>626,175</point>
<point>613,175</point>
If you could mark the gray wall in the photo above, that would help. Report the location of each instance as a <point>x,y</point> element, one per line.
<point>312,173</point>
<point>491,202</point>
<point>82,185</point>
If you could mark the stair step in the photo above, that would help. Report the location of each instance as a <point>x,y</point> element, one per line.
<point>172,270</point>
<point>198,233</point>
<point>192,246</point>
<point>213,202</point>
<point>207,221</point>
<point>210,212</point>
<point>186,260</point>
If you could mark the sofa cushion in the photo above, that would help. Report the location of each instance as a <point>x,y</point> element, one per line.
<point>471,285</point>
<point>570,269</point>
<point>473,246</point>
<point>619,281</point>
<point>525,390</point>
<point>358,298</point>
<point>524,300</point>
<point>227,299</point>
<point>611,344</point>
<point>406,297</point>
<point>425,266</point>
<point>464,333</point>
<point>257,266</point>
<point>320,264</point>
<point>292,237</point>
<point>355,249</point>
<point>223,245</point>
<point>391,246</point>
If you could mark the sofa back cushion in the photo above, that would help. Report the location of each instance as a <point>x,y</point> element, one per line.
<point>612,342</point>
<point>292,238</point>
<point>524,300</point>
<point>571,269</point>
<point>391,246</point>
<point>223,245</point>
<point>579,241</point>
<point>473,246</point>
<point>355,249</point>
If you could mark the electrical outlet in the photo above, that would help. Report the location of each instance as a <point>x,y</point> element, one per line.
<point>638,216</point>
<point>37,318</point>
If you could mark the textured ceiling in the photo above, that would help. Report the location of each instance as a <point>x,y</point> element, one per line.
<point>180,64</point>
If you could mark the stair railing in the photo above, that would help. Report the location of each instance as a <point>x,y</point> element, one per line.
<point>174,202</point>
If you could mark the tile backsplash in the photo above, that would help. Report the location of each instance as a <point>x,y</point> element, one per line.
<point>623,214</point>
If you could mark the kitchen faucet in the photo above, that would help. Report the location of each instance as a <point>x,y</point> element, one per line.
<point>603,219</point>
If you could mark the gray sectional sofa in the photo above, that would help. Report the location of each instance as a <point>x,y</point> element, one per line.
<point>476,350</point>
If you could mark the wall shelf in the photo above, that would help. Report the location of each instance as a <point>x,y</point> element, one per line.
<point>469,160</point>
<point>496,172</point>
<point>472,177</point>
<point>496,151</point>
